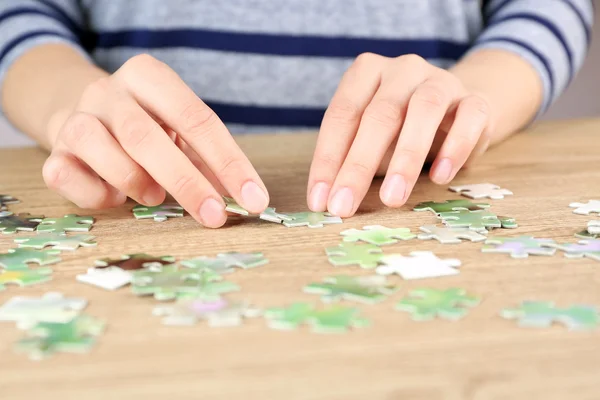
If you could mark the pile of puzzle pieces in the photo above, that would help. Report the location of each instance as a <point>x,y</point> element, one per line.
<point>196,290</point>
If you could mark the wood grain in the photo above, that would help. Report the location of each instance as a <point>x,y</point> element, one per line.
<point>480,357</point>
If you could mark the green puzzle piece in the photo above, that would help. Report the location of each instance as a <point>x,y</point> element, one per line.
<point>7,199</point>
<point>159,213</point>
<point>57,241</point>
<point>541,314</point>
<point>25,278</point>
<point>17,259</point>
<point>311,219</point>
<point>132,262</point>
<point>170,282</point>
<point>377,235</point>
<point>10,223</point>
<point>449,206</point>
<point>365,255</point>
<point>331,319</point>
<point>47,338</point>
<point>68,223</point>
<point>426,304</point>
<point>508,222</point>
<point>585,234</point>
<point>365,289</point>
<point>232,206</point>
<point>474,220</point>
<point>224,263</point>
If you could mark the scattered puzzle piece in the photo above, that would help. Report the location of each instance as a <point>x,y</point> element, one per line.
<point>541,314</point>
<point>520,247</point>
<point>224,263</point>
<point>52,307</point>
<point>450,205</point>
<point>365,289</point>
<point>133,262</point>
<point>594,227</point>
<point>57,241</point>
<point>448,235</point>
<point>475,220</point>
<point>331,319</point>
<point>10,223</point>
<point>508,222</point>
<point>68,223</point>
<point>481,190</point>
<point>217,312</point>
<point>6,199</point>
<point>25,278</point>
<point>47,338</point>
<point>420,264</point>
<point>586,248</point>
<point>18,259</point>
<point>159,213</point>
<point>377,235</point>
<point>109,278</point>
<point>426,304</point>
<point>272,216</point>
<point>233,207</point>
<point>365,255</point>
<point>592,206</point>
<point>311,219</point>
<point>584,234</point>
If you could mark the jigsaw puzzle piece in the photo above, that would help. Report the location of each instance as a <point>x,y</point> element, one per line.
<point>273,216</point>
<point>217,312</point>
<point>592,206</point>
<point>18,259</point>
<point>377,235</point>
<point>479,221</point>
<point>331,319</point>
<point>420,264</point>
<point>584,234</point>
<point>520,247</point>
<point>542,314</point>
<point>311,219</point>
<point>233,207</point>
<point>158,213</point>
<point>448,235</point>
<point>52,307</point>
<point>134,262</point>
<point>427,304</point>
<point>365,255</point>
<point>365,289</point>
<point>68,223</point>
<point>25,278</point>
<point>585,248</point>
<point>109,278</point>
<point>5,200</point>
<point>10,223</point>
<point>594,227</point>
<point>57,241</point>
<point>508,222</point>
<point>449,206</point>
<point>481,190</point>
<point>76,336</point>
<point>224,263</point>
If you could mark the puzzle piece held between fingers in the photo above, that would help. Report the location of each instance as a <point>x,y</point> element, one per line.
<point>481,190</point>
<point>57,241</point>
<point>273,216</point>
<point>426,304</point>
<point>365,255</point>
<point>450,205</point>
<point>52,307</point>
<point>592,206</point>
<point>364,289</point>
<point>330,319</point>
<point>233,207</point>
<point>311,219</point>
<point>68,223</point>
<point>448,235</point>
<point>10,223</point>
<point>159,213</point>
<point>420,264</point>
<point>25,278</point>
<point>479,221</point>
<point>18,259</point>
<point>520,247</point>
<point>377,235</point>
<point>6,199</point>
<point>217,312</point>
<point>541,314</point>
<point>585,248</point>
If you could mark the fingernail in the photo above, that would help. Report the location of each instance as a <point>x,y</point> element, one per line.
<point>212,213</point>
<point>443,171</point>
<point>342,202</point>
<point>254,198</point>
<point>393,190</point>
<point>318,196</point>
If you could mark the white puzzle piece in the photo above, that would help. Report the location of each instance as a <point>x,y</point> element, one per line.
<point>481,190</point>
<point>594,227</point>
<point>592,206</point>
<point>52,308</point>
<point>111,278</point>
<point>447,235</point>
<point>420,264</point>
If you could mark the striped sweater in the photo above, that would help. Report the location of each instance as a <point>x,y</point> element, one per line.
<point>275,64</point>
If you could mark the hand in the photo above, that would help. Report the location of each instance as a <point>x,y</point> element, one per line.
<point>141,130</point>
<point>390,110</point>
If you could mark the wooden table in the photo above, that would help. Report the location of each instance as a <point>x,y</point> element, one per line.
<point>480,357</point>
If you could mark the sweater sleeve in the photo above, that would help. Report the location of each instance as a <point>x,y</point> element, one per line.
<point>25,24</point>
<point>551,35</point>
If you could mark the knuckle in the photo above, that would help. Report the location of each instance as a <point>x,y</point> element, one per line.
<point>132,181</point>
<point>367,59</point>
<point>430,96</point>
<point>478,104</point>
<point>328,161</point>
<point>184,185</point>
<point>56,173</point>
<point>95,90</point>
<point>198,121</point>
<point>343,109</point>
<point>410,157</point>
<point>136,62</point>
<point>361,170</point>
<point>78,130</point>
<point>229,166</point>
<point>385,112</point>
<point>134,134</point>
<point>413,60</point>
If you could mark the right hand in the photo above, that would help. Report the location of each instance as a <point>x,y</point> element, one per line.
<point>142,131</point>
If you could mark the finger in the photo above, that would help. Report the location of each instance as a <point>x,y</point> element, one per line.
<point>426,109</point>
<point>471,119</point>
<point>148,144</point>
<point>83,134</point>
<point>379,127</point>
<point>68,176</point>
<point>160,90</point>
<point>340,124</point>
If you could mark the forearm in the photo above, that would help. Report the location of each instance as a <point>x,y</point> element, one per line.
<point>43,84</point>
<point>510,85</point>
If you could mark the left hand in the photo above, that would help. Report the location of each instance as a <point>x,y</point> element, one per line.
<point>386,115</point>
